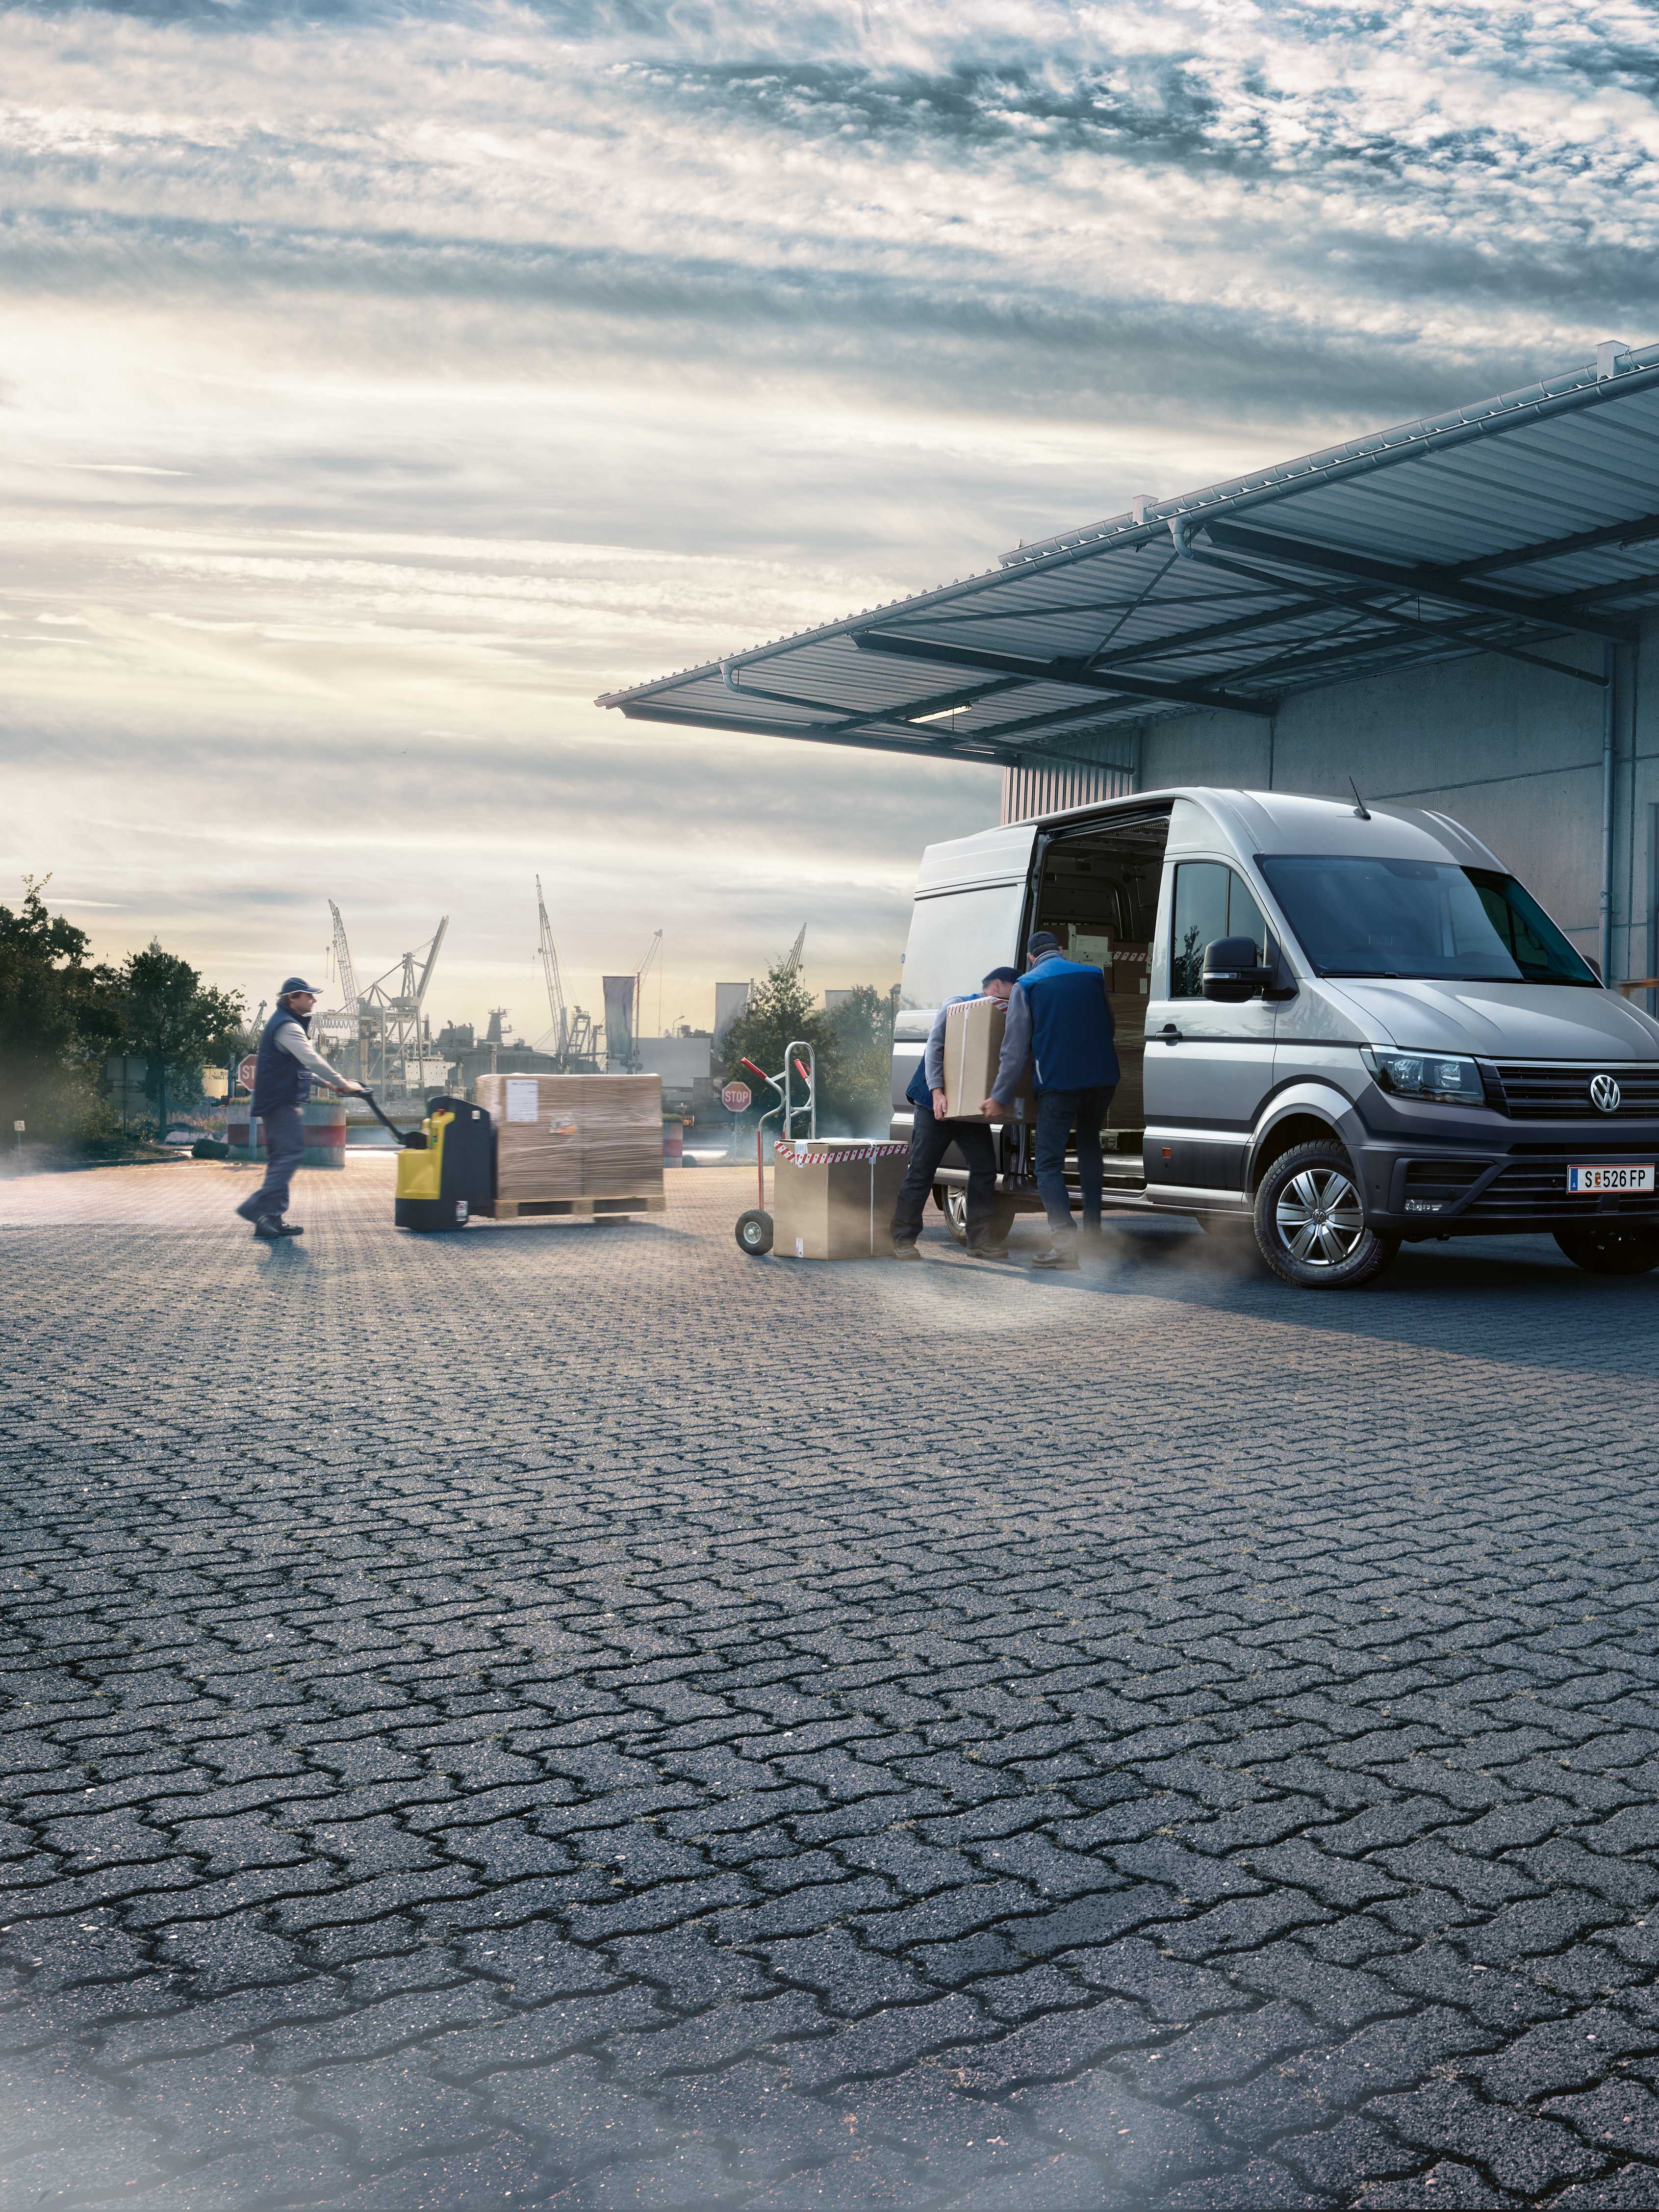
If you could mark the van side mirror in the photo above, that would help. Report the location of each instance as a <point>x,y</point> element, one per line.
<point>1233,971</point>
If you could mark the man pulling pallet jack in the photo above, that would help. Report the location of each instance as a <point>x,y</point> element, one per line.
<point>286,1066</point>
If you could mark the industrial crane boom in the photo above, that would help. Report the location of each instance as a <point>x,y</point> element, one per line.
<point>342,963</point>
<point>431,962</point>
<point>548,956</point>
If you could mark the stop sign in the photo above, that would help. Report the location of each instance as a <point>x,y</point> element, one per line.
<point>245,1072</point>
<point>737,1098</point>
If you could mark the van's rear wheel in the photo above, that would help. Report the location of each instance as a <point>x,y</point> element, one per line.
<point>1625,1248</point>
<point>954,1203</point>
<point>1310,1223</point>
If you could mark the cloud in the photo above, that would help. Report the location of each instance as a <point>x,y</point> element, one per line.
<point>374,371</point>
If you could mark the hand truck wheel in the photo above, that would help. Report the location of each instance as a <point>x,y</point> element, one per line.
<point>754,1232</point>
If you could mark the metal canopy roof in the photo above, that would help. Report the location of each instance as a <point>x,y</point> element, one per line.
<point>1512,526</point>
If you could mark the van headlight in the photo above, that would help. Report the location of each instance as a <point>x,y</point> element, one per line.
<point>1442,1075</point>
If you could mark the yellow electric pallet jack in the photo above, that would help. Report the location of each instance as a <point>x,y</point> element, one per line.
<point>446,1168</point>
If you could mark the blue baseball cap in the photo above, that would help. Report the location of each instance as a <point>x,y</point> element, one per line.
<point>298,984</point>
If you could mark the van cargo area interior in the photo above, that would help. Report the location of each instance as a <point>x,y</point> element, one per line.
<point>1098,893</point>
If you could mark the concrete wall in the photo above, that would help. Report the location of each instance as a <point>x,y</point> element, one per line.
<point>1512,750</point>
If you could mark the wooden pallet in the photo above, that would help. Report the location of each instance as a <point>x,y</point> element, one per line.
<point>545,1209</point>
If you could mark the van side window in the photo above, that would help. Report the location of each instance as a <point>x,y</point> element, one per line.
<point>1210,901</point>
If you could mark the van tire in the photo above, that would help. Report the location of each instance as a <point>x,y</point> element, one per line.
<point>1309,1221</point>
<point>952,1197</point>
<point>1629,1248</point>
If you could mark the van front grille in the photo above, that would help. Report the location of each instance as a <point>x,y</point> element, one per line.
<point>1535,1091</point>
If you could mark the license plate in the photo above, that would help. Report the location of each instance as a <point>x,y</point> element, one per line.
<point>1610,1178</point>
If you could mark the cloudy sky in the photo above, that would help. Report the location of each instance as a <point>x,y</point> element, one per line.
<point>378,384</point>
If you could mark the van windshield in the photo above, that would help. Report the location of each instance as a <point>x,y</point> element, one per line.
<point>1357,916</point>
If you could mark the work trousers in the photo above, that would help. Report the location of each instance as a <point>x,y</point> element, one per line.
<point>930,1140</point>
<point>1060,1112</point>
<point>285,1141</point>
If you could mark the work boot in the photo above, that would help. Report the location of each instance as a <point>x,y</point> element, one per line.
<point>989,1251</point>
<point>1059,1256</point>
<point>904,1248</point>
<point>249,1209</point>
<point>271,1226</point>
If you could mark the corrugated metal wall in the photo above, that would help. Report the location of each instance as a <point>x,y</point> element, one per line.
<point>1047,789</point>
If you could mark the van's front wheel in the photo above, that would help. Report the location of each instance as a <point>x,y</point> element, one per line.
<point>1310,1221</point>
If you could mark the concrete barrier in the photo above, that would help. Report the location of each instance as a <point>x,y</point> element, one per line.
<point>326,1135</point>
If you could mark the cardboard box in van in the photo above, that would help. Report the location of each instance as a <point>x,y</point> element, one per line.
<point>973,1046</point>
<point>1130,972</point>
<point>833,1198</point>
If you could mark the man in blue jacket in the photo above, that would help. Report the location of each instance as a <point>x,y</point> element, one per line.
<point>932,1136</point>
<point>1059,1019</point>
<point>287,1064</point>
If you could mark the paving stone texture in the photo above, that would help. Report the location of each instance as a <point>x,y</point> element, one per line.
<point>574,1716</point>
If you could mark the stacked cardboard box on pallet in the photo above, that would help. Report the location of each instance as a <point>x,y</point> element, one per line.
<point>574,1136</point>
<point>622,1135</point>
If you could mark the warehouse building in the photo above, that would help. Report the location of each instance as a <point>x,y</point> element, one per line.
<point>1452,613</point>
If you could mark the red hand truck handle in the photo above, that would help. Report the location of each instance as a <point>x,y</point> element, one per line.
<point>753,1070</point>
<point>800,1071</point>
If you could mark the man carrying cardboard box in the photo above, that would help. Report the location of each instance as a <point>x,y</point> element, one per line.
<point>932,1136</point>
<point>1058,1019</point>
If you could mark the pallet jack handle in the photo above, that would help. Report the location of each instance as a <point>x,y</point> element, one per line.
<point>413,1140</point>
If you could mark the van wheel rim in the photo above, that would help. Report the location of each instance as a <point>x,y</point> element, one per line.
<point>1319,1218</point>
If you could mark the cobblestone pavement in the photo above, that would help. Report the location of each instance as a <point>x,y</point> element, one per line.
<point>575,1716</point>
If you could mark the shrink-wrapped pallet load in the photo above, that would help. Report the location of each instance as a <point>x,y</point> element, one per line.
<point>622,1135</point>
<point>972,1047</point>
<point>538,1138</point>
<point>833,1198</point>
<point>574,1136</point>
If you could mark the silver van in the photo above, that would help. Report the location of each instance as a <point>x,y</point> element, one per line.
<point>1347,1026</point>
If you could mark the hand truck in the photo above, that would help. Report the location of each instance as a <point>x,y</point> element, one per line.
<point>753,1229</point>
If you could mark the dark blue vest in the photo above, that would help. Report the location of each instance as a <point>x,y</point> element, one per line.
<point>1072,1046</point>
<point>917,1092</point>
<point>278,1078</point>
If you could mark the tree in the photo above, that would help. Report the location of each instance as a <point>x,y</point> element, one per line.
<point>852,1049</point>
<point>175,1020</point>
<point>59,1020</point>
<point>859,1098</point>
<point>779,1012</point>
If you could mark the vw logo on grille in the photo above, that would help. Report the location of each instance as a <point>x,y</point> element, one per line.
<point>1604,1094</point>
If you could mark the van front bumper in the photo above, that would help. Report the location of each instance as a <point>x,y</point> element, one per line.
<point>1521,1190</point>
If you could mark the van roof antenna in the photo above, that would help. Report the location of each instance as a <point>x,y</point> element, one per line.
<point>1359,806</point>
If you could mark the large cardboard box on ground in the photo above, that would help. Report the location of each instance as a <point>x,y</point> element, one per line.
<point>575,1136</point>
<point>833,1198</point>
<point>973,1046</point>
